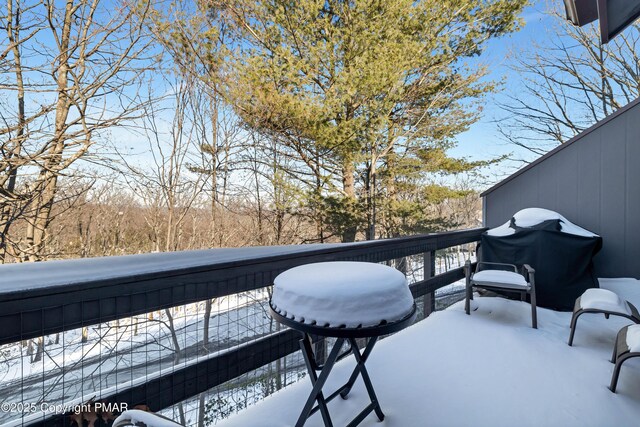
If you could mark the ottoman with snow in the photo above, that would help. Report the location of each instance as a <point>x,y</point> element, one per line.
<point>627,346</point>
<point>601,301</point>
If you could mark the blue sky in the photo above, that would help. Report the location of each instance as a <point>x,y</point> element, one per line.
<point>482,141</point>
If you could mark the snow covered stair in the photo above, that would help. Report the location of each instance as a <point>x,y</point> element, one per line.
<point>601,301</point>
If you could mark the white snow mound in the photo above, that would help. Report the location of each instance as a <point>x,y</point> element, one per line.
<point>633,338</point>
<point>534,216</point>
<point>342,294</point>
<point>603,299</point>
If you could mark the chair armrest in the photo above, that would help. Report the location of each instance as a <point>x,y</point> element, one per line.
<point>530,274</point>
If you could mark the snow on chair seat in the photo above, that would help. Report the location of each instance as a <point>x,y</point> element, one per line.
<point>627,346</point>
<point>505,278</point>
<point>601,301</point>
<point>342,294</point>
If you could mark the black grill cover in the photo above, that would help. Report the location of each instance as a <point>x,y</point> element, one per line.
<point>563,262</point>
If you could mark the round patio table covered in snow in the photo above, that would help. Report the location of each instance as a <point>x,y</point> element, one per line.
<point>345,300</point>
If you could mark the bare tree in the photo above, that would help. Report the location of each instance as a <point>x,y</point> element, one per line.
<point>195,38</point>
<point>14,133</point>
<point>168,189</point>
<point>569,83</point>
<point>74,72</point>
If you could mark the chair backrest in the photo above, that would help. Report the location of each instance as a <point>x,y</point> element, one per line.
<point>138,418</point>
<point>496,266</point>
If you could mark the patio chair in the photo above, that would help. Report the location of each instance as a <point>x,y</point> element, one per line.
<point>627,346</point>
<point>601,301</point>
<point>501,277</point>
<point>138,418</point>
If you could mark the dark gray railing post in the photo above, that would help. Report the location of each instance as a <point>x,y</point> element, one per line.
<point>429,304</point>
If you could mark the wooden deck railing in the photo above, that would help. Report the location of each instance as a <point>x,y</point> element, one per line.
<point>52,297</point>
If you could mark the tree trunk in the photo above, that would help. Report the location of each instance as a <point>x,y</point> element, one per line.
<point>214,168</point>
<point>13,32</point>
<point>201,413</point>
<point>207,317</point>
<point>349,188</point>
<point>47,182</point>
<point>174,336</point>
<point>39,350</point>
<point>183,419</point>
<point>369,184</point>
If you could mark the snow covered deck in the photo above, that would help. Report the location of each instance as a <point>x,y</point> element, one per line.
<point>487,369</point>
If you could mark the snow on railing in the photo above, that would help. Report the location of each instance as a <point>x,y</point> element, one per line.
<point>187,332</point>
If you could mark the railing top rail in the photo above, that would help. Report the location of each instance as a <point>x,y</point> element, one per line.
<point>43,276</point>
<point>49,297</point>
<point>17,280</point>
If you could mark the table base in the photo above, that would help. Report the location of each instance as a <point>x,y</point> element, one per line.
<point>318,380</point>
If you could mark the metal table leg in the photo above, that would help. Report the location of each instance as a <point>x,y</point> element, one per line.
<point>360,368</point>
<point>318,381</point>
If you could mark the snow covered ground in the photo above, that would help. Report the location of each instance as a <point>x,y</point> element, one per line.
<point>487,369</point>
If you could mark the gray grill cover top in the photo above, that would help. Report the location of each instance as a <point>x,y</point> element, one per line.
<point>563,261</point>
